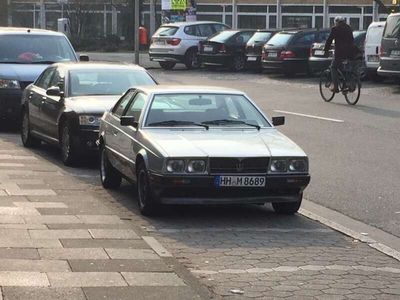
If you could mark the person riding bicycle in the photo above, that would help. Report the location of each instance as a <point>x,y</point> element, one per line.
<point>344,47</point>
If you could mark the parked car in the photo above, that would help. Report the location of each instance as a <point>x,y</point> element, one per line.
<point>288,51</point>
<point>372,44</point>
<point>64,105</point>
<point>200,145</point>
<point>318,62</point>
<point>178,42</point>
<point>226,49</point>
<point>24,54</point>
<point>254,48</point>
<point>389,64</point>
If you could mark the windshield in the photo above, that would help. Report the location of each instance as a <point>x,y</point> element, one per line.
<point>166,31</point>
<point>223,36</point>
<point>35,49</point>
<point>106,81</point>
<point>259,37</point>
<point>392,29</point>
<point>280,39</point>
<point>215,110</point>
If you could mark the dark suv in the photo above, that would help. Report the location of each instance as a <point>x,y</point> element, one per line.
<point>288,51</point>
<point>390,48</point>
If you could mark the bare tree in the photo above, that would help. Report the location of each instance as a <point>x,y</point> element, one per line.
<point>78,12</point>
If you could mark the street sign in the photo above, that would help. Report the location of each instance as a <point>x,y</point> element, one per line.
<point>173,4</point>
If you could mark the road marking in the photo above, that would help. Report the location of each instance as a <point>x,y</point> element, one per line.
<point>308,116</point>
<point>156,246</point>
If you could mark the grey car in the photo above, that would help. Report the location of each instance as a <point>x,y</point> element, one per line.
<point>199,145</point>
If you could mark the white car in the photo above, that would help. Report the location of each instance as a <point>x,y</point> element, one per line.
<point>372,45</point>
<point>178,42</point>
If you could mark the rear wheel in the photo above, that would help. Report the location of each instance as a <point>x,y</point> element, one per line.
<point>325,82</point>
<point>192,59</point>
<point>27,139</point>
<point>238,63</point>
<point>167,65</point>
<point>352,94</point>
<point>288,208</point>
<point>110,177</point>
<point>146,200</point>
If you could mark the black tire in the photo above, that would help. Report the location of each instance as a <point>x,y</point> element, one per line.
<point>68,145</point>
<point>167,65</point>
<point>28,140</point>
<point>109,176</point>
<point>352,95</point>
<point>192,59</point>
<point>238,63</point>
<point>324,85</point>
<point>287,208</point>
<point>148,204</point>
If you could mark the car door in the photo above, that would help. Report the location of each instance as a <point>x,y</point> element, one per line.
<point>239,41</point>
<point>35,98</point>
<point>51,106</point>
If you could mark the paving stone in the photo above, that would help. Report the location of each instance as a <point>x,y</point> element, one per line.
<point>22,226</point>
<point>18,211</point>
<point>113,234</point>
<point>23,279</point>
<point>55,219</point>
<point>19,253</point>
<point>59,234</point>
<point>131,253</point>
<point>14,233</point>
<point>97,209</point>
<point>38,192</point>
<point>30,243</point>
<point>62,198</point>
<point>118,265</point>
<point>152,279</point>
<point>89,226</point>
<point>4,219</point>
<point>85,279</point>
<point>40,204</point>
<point>42,293</point>
<point>104,243</point>
<point>100,219</point>
<point>73,253</point>
<point>34,265</point>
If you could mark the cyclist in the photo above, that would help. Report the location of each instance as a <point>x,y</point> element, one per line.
<point>344,47</point>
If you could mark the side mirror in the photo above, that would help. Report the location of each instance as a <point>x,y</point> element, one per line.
<point>54,91</point>
<point>128,121</point>
<point>277,121</point>
<point>83,57</point>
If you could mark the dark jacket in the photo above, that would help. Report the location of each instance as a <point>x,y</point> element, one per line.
<point>344,41</point>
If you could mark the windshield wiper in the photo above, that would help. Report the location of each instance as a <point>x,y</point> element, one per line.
<point>11,62</point>
<point>227,121</point>
<point>47,62</point>
<point>177,123</point>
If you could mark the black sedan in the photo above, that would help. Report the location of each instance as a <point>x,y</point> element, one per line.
<point>254,48</point>
<point>226,48</point>
<point>64,105</point>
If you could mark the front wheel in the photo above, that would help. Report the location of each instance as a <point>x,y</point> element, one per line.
<point>288,208</point>
<point>352,94</point>
<point>192,59</point>
<point>110,177</point>
<point>27,139</point>
<point>68,145</point>
<point>325,83</point>
<point>146,200</point>
<point>167,65</point>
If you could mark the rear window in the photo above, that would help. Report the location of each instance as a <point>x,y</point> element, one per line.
<point>280,39</point>
<point>374,34</point>
<point>223,36</point>
<point>166,31</point>
<point>260,37</point>
<point>392,29</point>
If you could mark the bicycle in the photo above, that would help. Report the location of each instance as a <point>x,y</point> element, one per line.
<point>349,83</point>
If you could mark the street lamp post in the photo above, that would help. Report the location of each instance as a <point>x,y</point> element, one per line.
<point>234,14</point>
<point>137,24</point>
<point>152,17</point>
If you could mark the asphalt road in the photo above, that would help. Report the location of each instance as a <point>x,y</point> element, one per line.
<point>353,150</point>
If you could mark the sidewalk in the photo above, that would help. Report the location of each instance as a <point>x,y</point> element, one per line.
<point>59,241</point>
<point>123,57</point>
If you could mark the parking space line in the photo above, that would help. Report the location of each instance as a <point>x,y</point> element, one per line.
<point>308,116</point>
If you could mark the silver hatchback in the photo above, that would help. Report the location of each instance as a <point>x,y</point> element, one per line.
<point>178,42</point>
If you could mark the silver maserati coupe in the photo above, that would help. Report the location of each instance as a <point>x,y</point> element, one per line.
<point>199,145</point>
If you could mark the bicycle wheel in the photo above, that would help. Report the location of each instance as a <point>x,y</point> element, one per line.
<point>324,85</point>
<point>352,94</point>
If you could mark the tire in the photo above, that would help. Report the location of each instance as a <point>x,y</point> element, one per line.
<point>324,84</point>
<point>109,176</point>
<point>354,90</point>
<point>167,65</point>
<point>68,145</point>
<point>287,208</point>
<point>238,63</point>
<point>28,140</point>
<point>148,205</point>
<point>192,59</point>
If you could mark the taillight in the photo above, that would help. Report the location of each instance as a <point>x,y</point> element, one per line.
<point>174,41</point>
<point>287,54</point>
<point>380,51</point>
<point>263,54</point>
<point>222,49</point>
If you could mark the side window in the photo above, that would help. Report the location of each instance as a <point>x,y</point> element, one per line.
<point>205,30</point>
<point>57,79</point>
<point>305,40</point>
<point>136,106</point>
<point>122,103</point>
<point>323,36</point>
<point>44,80</point>
<point>219,27</point>
<point>191,30</point>
<point>243,37</point>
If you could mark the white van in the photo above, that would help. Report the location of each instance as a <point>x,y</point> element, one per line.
<point>372,45</point>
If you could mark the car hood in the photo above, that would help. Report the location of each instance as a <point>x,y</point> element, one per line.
<point>91,104</point>
<point>21,72</point>
<point>222,143</point>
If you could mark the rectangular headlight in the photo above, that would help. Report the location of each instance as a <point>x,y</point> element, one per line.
<point>175,166</point>
<point>9,84</point>
<point>278,165</point>
<point>299,165</point>
<point>196,166</point>
<point>89,120</point>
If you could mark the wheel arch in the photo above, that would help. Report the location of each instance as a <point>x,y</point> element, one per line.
<point>141,157</point>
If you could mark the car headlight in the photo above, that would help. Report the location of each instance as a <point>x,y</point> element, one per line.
<point>298,165</point>
<point>89,120</point>
<point>278,165</point>
<point>9,84</point>
<point>175,166</point>
<point>196,166</point>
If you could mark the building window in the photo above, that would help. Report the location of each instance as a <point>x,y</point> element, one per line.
<point>228,20</point>
<point>368,10</point>
<point>319,21</point>
<point>272,8</point>
<point>344,10</point>
<point>297,21</point>
<point>253,8</point>
<point>215,18</point>
<point>252,21</point>
<point>366,21</point>
<point>210,8</point>
<point>272,22</point>
<point>297,9</point>
<point>319,9</point>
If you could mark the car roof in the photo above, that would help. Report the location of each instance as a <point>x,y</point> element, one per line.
<point>294,31</point>
<point>177,24</point>
<point>182,89</point>
<point>25,31</point>
<point>377,24</point>
<point>97,65</point>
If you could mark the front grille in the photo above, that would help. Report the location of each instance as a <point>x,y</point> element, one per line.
<point>24,84</point>
<point>223,165</point>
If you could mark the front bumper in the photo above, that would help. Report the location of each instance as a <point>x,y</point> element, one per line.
<point>289,66</point>
<point>10,104</point>
<point>216,59</point>
<point>160,57</point>
<point>201,190</point>
<point>87,138</point>
<point>388,73</point>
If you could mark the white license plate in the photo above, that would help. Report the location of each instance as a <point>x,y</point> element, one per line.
<point>373,58</point>
<point>159,42</point>
<point>319,52</point>
<point>272,54</point>
<point>240,181</point>
<point>251,58</point>
<point>395,52</point>
<point>208,48</point>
